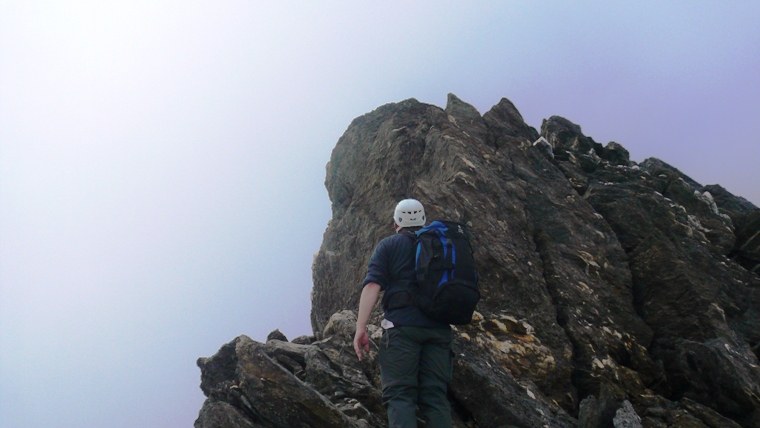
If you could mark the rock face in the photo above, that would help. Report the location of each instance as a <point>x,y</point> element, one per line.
<point>613,293</point>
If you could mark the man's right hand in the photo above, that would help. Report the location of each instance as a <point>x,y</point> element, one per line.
<point>366,303</point>
<point>361,340</point>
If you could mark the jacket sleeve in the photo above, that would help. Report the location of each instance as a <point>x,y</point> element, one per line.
<point>377,269</point>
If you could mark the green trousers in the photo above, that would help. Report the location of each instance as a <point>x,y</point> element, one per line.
<point>415,368</point>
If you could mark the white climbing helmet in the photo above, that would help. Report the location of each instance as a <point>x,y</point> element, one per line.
<point>409,213</point>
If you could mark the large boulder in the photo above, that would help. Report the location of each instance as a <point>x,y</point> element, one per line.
<point>262,388</point>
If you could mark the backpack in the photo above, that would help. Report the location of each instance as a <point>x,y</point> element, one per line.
<point>446,277</point>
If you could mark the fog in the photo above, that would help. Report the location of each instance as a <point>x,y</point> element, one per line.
<point>162,163</point>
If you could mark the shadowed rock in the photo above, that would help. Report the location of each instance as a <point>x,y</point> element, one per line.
<point>276,335</point>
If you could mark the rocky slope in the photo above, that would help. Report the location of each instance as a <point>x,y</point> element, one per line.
<point>614,293</point>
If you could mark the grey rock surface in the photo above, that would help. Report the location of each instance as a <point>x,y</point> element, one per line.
<point>613,293</point>
<point>215,414</point>
<point>626,417</point>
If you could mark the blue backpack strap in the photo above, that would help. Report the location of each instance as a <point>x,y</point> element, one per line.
<point>436,225</point>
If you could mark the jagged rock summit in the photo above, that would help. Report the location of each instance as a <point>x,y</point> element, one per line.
<point>614,293</point>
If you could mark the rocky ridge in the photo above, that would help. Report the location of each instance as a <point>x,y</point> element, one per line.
<point>614,293</point>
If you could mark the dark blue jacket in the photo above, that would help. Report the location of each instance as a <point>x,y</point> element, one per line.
<point>392,267</point>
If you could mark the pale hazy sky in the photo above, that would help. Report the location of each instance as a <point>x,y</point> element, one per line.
<point>162,162</point>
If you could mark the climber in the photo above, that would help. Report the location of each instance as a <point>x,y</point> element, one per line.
<point>415,351</point>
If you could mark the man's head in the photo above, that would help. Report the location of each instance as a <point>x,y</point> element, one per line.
<point>409,213</point>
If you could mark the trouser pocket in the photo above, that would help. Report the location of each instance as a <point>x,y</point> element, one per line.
<point>385,340</point>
